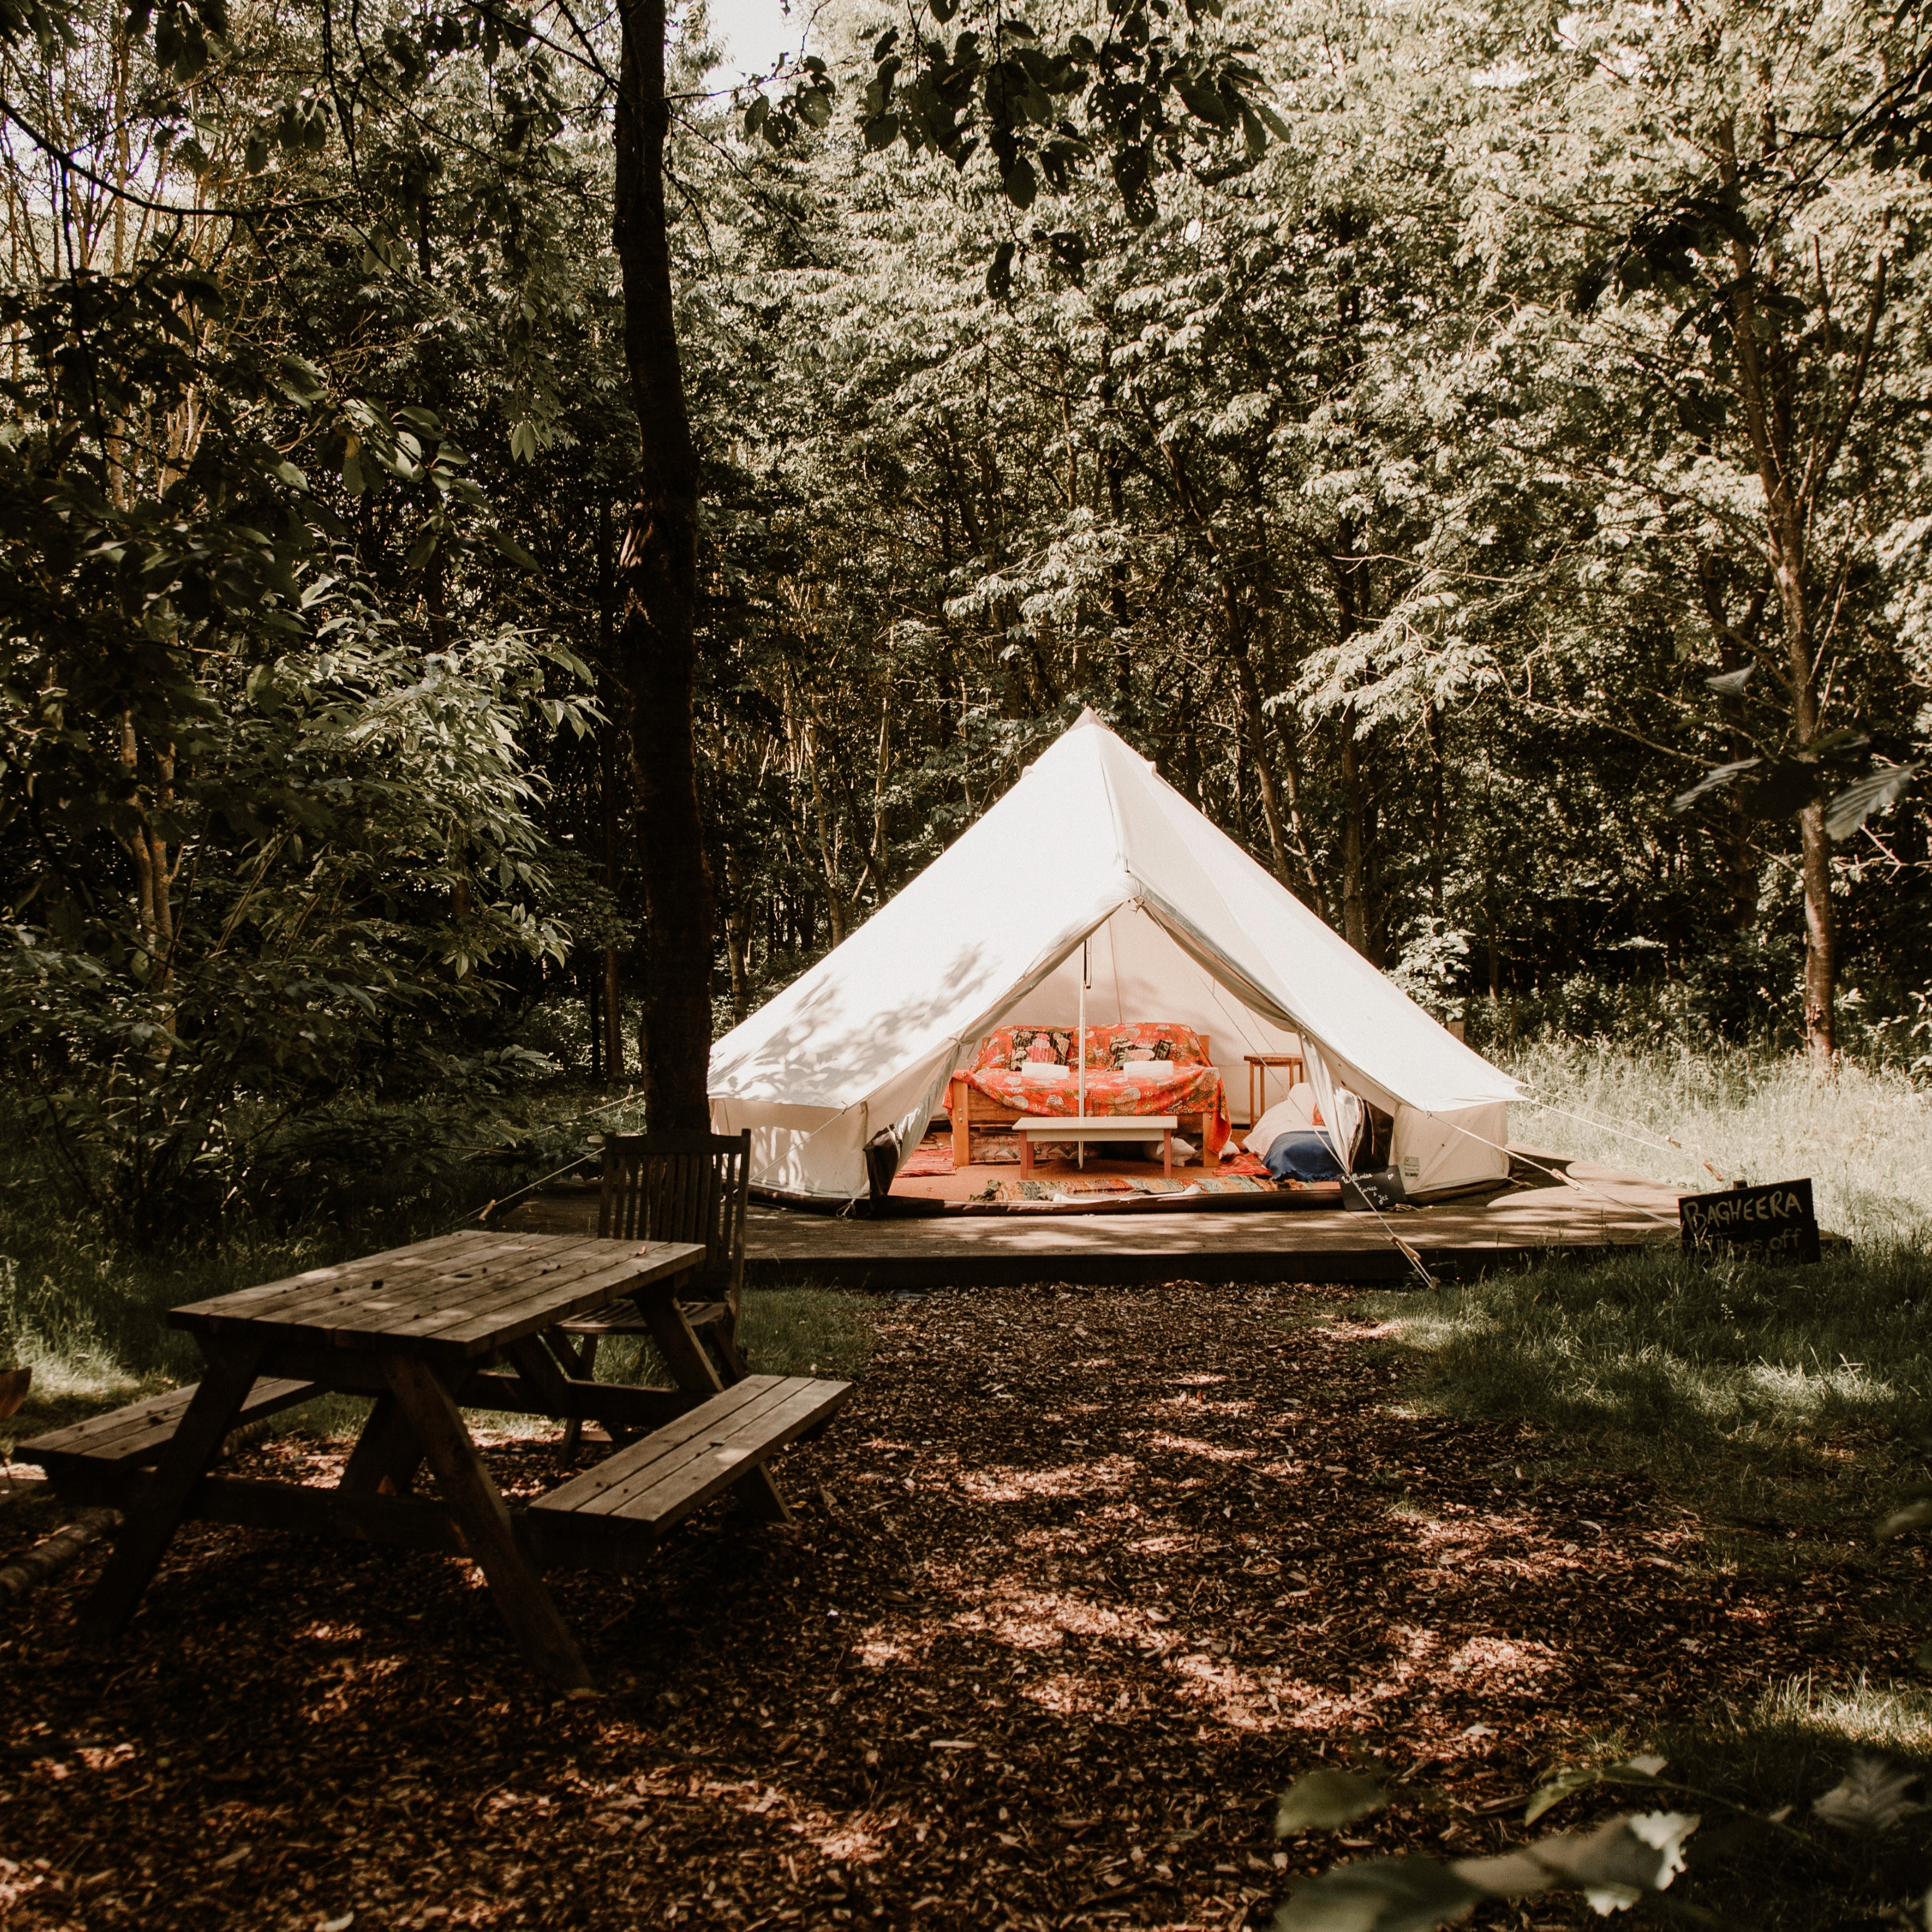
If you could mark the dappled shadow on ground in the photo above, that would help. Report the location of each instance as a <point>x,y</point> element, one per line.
<point>1081,1579</point>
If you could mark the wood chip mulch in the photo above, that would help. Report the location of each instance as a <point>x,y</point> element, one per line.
<point>1080,1579</point>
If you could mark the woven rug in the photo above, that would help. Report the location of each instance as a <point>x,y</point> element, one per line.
<point>933,1155</point>
<point>1074,1187</point>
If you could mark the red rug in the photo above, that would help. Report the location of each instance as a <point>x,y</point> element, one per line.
<point>934,1155</point>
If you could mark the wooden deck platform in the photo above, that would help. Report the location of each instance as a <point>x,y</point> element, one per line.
<point>1607,1209</point>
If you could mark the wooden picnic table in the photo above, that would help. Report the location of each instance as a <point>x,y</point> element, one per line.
<point>467,1321</point>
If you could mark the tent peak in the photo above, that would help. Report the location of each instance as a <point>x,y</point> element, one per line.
<point>1089,716</point>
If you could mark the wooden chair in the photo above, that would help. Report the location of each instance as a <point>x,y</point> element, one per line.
<point>676,1186</point>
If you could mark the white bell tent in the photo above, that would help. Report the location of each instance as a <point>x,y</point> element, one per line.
<point>1090,845</point>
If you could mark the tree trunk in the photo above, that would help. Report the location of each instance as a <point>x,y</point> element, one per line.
<point>657,583</point>
<point>1254,728</point>
<point>1354,840</point>
<point>593,991</point>
<point>1290,766</point>
<point>737,938</point>
<point>1352,591</point>
<point>607,787</point>
<point>1791,480</point>
<point>1439,807</point>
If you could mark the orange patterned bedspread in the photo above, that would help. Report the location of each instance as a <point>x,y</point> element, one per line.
<point>1175,1082</point>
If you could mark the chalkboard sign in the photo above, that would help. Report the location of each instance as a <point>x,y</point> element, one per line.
<point>1773,1223</point>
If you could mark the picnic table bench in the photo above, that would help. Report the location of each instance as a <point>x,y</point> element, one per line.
<point>470,1321</point>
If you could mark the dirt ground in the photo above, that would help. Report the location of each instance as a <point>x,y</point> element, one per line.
<point>1080,1579</point>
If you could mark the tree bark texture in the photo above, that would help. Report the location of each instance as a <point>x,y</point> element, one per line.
<point>1793,478</point>
<point>1351,593</point>
<point>657,589</point>
<point>607,789</point>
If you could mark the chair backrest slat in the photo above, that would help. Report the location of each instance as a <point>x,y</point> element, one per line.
<point>682,1187</point>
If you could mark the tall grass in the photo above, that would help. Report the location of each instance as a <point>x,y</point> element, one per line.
<point>1865,1138</point>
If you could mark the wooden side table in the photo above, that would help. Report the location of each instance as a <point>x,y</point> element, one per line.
<point>1259,1064</point>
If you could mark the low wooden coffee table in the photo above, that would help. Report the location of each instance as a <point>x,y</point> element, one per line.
<point>1033,1128</point>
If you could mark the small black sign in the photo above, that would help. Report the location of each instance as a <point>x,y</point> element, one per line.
<point>1770,1223</point>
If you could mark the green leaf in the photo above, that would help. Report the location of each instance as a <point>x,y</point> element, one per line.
<point>523,441</point>
<point>302,381</point>
<point>1383,1895</point>
<point>353,479</point>
<point>1562,1785</point>
<point>1849,810</point>
<point>1788,785</point>
<point>1326,1799</point>
<point>514,551</point>
<point>1204,102</point>
<point>1020,183</point>
<point>1713,781</point>
<point>881,131</point>
<point>1000,272</point>
<point>1133,169</point>
<point>1873,1795</point>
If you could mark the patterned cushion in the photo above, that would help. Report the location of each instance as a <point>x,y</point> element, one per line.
<point>1115,1046</point>
<point>1009,1049</point>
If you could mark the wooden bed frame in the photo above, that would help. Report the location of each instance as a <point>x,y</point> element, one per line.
<point>972,1108</point>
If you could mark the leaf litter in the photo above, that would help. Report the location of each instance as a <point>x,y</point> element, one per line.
<point>1080,1579</point>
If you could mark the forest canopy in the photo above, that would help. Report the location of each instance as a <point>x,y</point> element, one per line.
<point>488,508</point>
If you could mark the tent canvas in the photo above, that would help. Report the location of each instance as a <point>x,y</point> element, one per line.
<point>1090,844</point>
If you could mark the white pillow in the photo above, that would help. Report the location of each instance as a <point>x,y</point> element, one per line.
<point>1044,1069</point>
<point>1285,1117</point>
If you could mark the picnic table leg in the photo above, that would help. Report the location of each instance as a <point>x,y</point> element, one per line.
<point>1167,1153</point>
<point>387,1451</point>
<point>1026,1156</point>
<point>478,1508</point>
<point>151,1521</point>
<point>583,1368</point>
<point>685,1355</point>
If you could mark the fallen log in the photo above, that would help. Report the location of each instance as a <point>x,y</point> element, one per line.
<point>52,1555</point>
